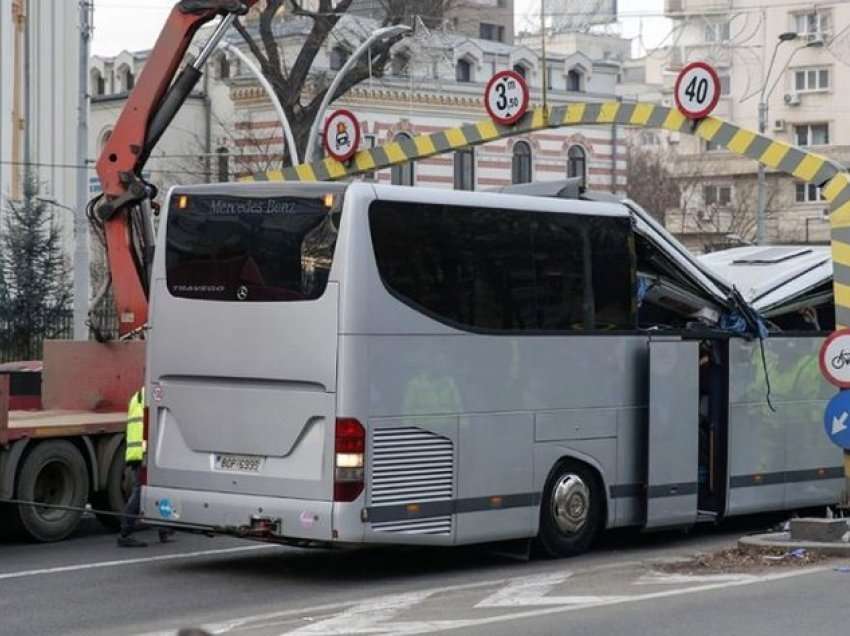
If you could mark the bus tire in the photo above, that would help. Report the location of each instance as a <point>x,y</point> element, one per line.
<point>53,472</point>
<point>117,491</point>
<point>571,511</point>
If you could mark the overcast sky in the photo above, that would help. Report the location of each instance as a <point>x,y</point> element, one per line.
<point>134,24</point>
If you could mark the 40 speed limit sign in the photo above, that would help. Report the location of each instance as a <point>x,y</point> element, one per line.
<point>697,90</point>
<point>506,97</point>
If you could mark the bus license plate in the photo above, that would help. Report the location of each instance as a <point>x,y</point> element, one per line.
<point>238,463</point>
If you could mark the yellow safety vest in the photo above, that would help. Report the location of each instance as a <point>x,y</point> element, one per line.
<point>135,438</point>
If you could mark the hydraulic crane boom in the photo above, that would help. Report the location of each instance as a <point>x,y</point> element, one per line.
<point>150,108</point>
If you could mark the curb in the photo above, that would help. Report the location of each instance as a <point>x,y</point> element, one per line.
<point>760,543</point>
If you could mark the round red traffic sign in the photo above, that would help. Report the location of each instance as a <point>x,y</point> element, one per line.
<point>506,97</point>
<point>834,358</point>
<point>697,90</point>
<point>341,136</point>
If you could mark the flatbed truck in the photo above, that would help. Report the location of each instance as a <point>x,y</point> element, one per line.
<point>64,447</point>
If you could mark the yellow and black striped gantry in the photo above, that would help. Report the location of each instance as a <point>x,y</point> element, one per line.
<point>777,155</point>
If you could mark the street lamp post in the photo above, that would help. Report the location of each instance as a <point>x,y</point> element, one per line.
<point>281,114</point>
<point>81,274</point>
<point>386,32</point>
<point>788,36</point>
<point>762,117</point>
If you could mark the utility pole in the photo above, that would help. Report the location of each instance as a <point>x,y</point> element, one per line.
<point>761,233</point>
<point>545,72</point>
<point>81,229</point>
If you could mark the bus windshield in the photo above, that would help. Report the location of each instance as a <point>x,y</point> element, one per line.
<point>246,249</point>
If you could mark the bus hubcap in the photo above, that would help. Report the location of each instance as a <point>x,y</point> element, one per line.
<point>570,503</point>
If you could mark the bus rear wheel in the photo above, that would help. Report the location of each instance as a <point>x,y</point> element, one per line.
<point>53,473</point>
<point>571,511</point>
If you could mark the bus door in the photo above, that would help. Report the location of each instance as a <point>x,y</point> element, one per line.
<point>672,436</point>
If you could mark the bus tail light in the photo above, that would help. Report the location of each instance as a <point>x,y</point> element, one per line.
<point>349,459</point>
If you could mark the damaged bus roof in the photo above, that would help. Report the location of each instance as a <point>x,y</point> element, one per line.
<point>776,279</point>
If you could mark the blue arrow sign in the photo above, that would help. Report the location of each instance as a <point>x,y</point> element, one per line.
<point>836,420</point>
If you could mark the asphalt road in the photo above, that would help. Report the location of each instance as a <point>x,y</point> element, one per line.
<point>86,585</point>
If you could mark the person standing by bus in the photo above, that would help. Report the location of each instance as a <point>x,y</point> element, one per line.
<point>134,455</point>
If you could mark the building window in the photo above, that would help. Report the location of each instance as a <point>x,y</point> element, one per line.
<point>574,80</point>
<point>368,142</point>
<point>223,67</point>
<point>725,85</point>
<point>98,86</point>
<point>577,163</point>
<point>812,23</point>
<point>550,77</point>
<point>807,80</point>
<point>717,195</point>
<point>717,32</point>
<point>521,163</point>
<point>465,169</point>
<point>402,174</point>
<point>520,70</point>
<point>649,138</point>
<point>812,134</point>
<point>338,57</point>
<point>463,71</point>
<point>125,77</point>
<point>808,193</point>
<point>223,164</point>
<point>493,32</point>
<point>711,145</point>
<point>399,65</point>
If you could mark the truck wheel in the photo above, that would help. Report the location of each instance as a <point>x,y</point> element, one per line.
<point>116,493</point>
<point>55,473</point>
<point>570,511</point>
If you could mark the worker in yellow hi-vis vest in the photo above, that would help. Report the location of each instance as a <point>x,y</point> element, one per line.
<point>133,458</point>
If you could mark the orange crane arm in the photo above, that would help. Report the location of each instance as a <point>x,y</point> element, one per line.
<point>150,108</point>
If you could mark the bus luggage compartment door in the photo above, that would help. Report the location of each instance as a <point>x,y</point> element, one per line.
<point>672,435</point>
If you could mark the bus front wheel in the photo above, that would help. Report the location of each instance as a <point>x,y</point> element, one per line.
<point>570,511</point>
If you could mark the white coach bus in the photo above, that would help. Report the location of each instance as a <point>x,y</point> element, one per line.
<point>354,363</point>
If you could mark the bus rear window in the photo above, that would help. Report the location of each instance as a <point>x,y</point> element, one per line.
<point>249,249</point>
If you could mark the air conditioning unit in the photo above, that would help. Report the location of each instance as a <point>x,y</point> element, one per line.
<point>792,99</point>
<point>814,39</point>
<point>705,214</point>
<point>674,137</point>
<point>778,125</point>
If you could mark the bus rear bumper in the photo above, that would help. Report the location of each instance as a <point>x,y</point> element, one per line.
<point>265,518</point>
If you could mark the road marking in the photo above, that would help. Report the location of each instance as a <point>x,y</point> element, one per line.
<point>421,628</point>
<point>364,618</point>
<point>408,628</point>
<point>532,590</point>
<point>235,624</point>
<point>659,578</point>
<point>122,562</point>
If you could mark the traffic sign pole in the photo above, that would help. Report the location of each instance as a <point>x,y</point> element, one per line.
<point>834,361</point>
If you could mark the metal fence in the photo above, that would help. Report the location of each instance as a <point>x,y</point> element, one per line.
<point>14,348</point>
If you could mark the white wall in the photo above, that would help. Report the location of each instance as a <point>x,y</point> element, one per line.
<point>53,31</point>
